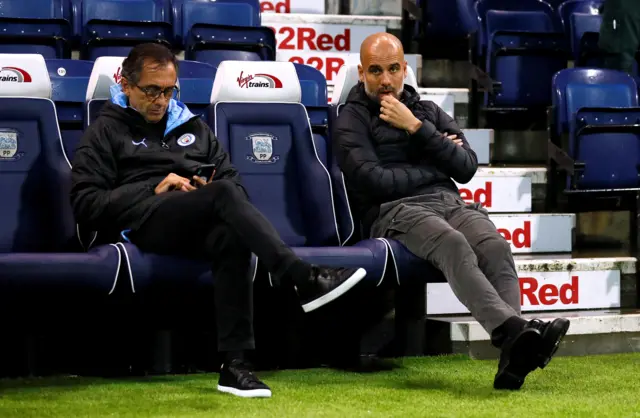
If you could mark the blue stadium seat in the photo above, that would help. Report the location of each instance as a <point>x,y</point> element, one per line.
<point>482,7</point>
<point>37,222</point>
<point>69,81</point>
<point>149,272</point>
<point>35,27</point>
<point>259,117</point>
<point>196,82</point>
<point>187,13</point>
<point>113,27</point>
<point>569,7</point>
<point>597,112</point>
<point>584,33</point>
<point>407,267</point>
<point>523,53</point>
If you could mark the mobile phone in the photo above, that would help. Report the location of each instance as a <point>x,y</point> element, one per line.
<point>205,172</point>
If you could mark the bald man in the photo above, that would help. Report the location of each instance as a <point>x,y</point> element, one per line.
<point>399,156</point>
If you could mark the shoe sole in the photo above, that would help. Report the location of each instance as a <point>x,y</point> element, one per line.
<point>337,292</point>
<point>522,361</point>
<point>555,332</point>
<point>252,393</point>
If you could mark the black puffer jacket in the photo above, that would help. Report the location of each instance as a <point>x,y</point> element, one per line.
<point>382,163</point>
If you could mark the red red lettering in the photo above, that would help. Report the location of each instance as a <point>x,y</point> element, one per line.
<point>280,7</point>
<point>476,197</point>
<point>308,38</point>
<point>286,42</point>
<point>549,294</point>
<point>328,65</point>
<point>333,66</point>
<point>520,237</point>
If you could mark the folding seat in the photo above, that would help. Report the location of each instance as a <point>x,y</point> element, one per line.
<point>69,81</point>
<point>113,27</point>
<point>584,35</point>
<point>259,117</point>
<point>37,225</point>
<point>35,27</point>
<point>524,51</point>
<point>213,32</point>
<point>407,267</point>
<point>448,33</point>
<point>149,273</point>
<point>595,125</point>
<point>196,82</point>
<point>482,7</point>
<point>569,7</point>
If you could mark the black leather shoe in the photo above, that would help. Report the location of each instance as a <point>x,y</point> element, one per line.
<point>237,378</point>
<point>518,358</point>
<point>326,284</point>
<point>552,334</point>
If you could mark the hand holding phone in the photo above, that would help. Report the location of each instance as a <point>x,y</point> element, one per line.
<point>204,173</point>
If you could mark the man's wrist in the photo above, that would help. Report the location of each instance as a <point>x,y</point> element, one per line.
<point>414,127</point>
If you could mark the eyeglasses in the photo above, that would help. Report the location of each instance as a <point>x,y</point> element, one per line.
<point>153,92</point>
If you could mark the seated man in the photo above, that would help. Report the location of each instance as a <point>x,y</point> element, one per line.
<point>399,155</point>
<point>133,171</point>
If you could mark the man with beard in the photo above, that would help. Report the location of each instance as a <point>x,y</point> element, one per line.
<point>135,170</point>
<point>399,155</point>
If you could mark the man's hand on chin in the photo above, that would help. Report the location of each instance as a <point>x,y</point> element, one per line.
<point>395,113</point>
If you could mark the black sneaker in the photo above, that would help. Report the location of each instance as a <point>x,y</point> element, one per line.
<point>237,378</point>
<point>552,334</point>
<point>518,358</point>
<point>326,284</point>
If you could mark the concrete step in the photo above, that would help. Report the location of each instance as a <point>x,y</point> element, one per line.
<point>591,332</point>
<point>557,283</point>
<point>504,189</point>
<point>480,140</point>
<point>537,233</point>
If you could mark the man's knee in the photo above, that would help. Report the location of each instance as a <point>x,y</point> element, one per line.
<point>224,189</point>
<point>224,240</point>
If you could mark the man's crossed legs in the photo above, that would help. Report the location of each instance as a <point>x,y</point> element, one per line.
<point>462,242</point>
<point>217,223</point>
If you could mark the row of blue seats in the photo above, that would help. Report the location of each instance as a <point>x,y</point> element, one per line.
<point>301,191</point>
<point>53,28</point>
<point>298,195</point>
<point>521,45</point>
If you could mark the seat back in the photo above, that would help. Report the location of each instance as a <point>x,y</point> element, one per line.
<point>196,84</point>
<point>574,88</point>
<point>569,7</point>
<point>581,24</point>
<point>483,6</point>
<point>523,54</point>
<point>33,9</point>
<point>69,82</point>
<point>105,73</point>
<point>611,157</point>
<point>187,13</point>
<point>125,10</point>
<point>261,122</point>
<point>34,171</point>
<point>453,18</point>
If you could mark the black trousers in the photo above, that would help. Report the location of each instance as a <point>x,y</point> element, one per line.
<point>620,33</point>
<point>219,224</point>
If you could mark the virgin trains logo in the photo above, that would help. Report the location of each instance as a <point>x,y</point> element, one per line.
<point>14,75</point>
<point>261,81</point>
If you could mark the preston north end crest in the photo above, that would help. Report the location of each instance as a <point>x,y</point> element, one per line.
<point>262,147</point>
<point>8,144</point>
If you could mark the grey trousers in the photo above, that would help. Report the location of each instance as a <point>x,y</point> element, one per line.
<point>462,242</point>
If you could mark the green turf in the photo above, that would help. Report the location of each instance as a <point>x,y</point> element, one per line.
<point>425,387</point>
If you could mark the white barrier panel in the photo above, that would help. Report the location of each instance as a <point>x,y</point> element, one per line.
<point>328,63</point>
<point>536,233</point>
<point>292,6</point>
<point>321,37</point>
<point>544,291</point>
<point>499,194</point>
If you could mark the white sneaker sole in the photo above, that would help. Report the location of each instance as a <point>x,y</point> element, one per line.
<point>253,393</point>
<point>337,292</point>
